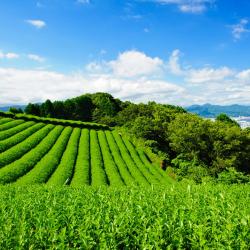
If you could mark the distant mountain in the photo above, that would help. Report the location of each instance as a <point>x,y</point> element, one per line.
<point>6,108</point>
<point>209,110</point>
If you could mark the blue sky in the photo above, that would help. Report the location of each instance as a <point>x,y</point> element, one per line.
<point>171,51</point>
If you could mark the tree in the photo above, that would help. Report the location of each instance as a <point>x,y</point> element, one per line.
<point>59,109</point>
<point>226,119</point>
<point>47,109</point>
<point>15,110</point>
<point>104,105</point>
<point>83,108</point>
<point>32,109</point>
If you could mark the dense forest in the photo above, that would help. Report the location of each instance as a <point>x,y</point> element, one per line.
<point>189,145</point>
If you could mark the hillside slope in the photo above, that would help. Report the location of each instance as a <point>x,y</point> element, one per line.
<point>33,152</point>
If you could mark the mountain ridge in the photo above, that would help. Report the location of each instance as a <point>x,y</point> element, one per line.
<point>210,110</point>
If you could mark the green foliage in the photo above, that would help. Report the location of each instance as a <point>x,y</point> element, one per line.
<point>120,163</point>
<point>23,165</point>
<point>4,120</point>
<point>54,146</point>
<point>214,144</point>
<point>12,131</point>
<point>98,175</point>
<point>15,110</point>
<point>18,138</point>
<point>176,217</point>
<point>10,124</point>
<point>151,178</point>
<point>17,151</point>
<point>232,176</point>
<point>111,169</point>
<point>190,169</point>
<point>82,175</point>
<point>226,119</point>
<point>47,109</point>
<point>133,169</point>
<point>63,173</point>
<point>77,124</point>
<point>38,153</point>
<point>32,109</point>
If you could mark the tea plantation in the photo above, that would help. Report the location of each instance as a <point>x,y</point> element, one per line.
<point>93,189</point>
<point>35,152</point>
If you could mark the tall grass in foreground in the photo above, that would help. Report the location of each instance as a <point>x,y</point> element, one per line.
<point>176,217</point>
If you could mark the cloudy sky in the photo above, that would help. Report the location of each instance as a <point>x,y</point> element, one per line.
<point>171,51</point>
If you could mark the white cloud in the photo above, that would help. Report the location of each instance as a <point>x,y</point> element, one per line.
<point>134,63</point>
<point>189,6</point>
<point>208,74</point>
<point>39,24</point>
<point>239,29</point>
<point>192,75</point>
<point>123,79</point>
<point>9,55</point>
<point>12,56</point>
<point>244,75</point>
<point>23,86</point>
<point>36,58</point>
<point>173,63</point>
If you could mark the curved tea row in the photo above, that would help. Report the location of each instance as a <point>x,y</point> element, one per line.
<point>33,153</point>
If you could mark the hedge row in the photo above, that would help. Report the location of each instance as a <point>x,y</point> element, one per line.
<point>20,167</point>
<point>47,165</point>
<point>25,146</point>
<point>144,170</point>
<point>18,138</point>
<point>109,164</point>
<point>12,131</point>
<point>115,151</point>
<point>54,121</point>
<point>157,171</point>
<point>63,172</point>
<point>82,175</point>
<point>10,124</point>
<point>4,120</point>
<point>135,172</point>
<point>98,175</point>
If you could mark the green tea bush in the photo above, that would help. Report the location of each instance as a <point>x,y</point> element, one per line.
<point>56,143</point>
<point>82,173</point>
<point>144,170</point>
<point>20,167</point>
<point>65,169</point>
<point>124,171</point>
<point>109,164</point>
<point>25,146</point>
<point>98,175</point>
<point>4,120</point>
<point>176,217</point>
<point>12,131</point>
<point>18,138</point>
<point>135,172</point>
<point>10,124</point>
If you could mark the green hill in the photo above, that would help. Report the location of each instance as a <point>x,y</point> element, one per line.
<point>34,151</point>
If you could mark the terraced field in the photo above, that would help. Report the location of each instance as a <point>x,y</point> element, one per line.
<point>34,152</point>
